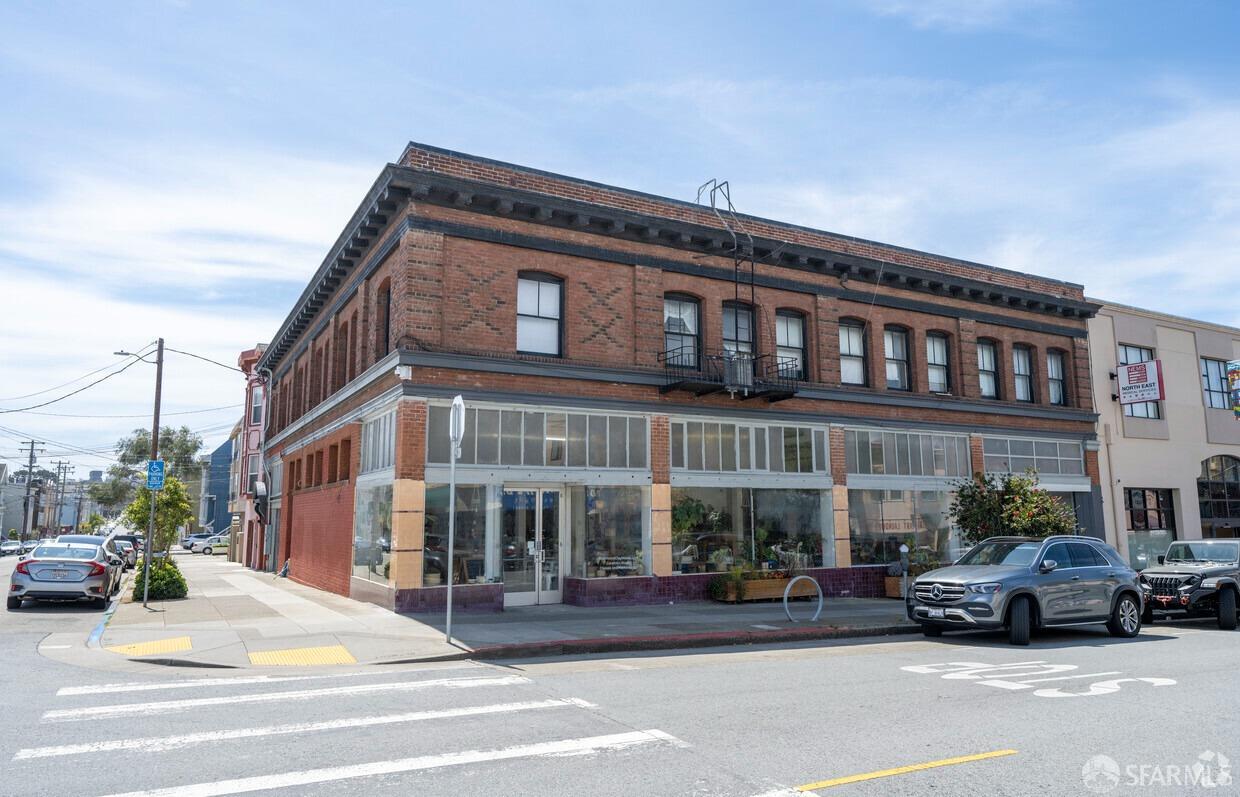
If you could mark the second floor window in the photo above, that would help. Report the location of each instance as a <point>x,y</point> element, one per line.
<point>538,315</point>
<point>1022,372</point>
<point>987,369</point>
<point>938,375</point>
<point>790,344</point>
<point>680,331</point>
<point>1055,378</point>
<point>852,353</point>
<point>1131,355</point>
<point>895,347</point>
<point>256,405</point>
<point>737,329</point>
<point>1214,384</point>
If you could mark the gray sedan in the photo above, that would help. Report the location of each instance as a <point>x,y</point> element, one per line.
<point>65,572</point>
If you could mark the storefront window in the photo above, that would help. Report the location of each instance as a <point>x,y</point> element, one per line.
<point>882,520</point>
<point>372,535</point>
<point>469,549</point>
<point>608,535</point>
<point>714,528</point>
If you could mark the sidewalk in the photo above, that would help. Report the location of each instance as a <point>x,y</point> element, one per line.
<point>236,618</point>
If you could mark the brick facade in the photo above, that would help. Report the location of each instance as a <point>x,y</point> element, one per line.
<point>425,281</point>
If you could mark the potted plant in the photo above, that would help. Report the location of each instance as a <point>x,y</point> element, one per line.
<point>893,580</point>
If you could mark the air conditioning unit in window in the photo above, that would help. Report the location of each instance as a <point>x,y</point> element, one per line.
<point>737,372</point>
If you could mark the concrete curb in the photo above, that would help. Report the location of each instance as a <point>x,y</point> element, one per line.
<point>568,647</point>
<point>96,634</point>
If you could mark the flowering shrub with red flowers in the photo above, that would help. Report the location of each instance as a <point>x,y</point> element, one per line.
<point>1012,504</point>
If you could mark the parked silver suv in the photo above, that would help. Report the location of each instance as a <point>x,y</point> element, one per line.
<point>1019,583</point>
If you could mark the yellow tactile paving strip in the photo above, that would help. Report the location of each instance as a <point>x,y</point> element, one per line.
<point>178,644</point>
<point>303,657</point>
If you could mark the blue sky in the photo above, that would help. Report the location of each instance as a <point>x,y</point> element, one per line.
<point>180,168</point>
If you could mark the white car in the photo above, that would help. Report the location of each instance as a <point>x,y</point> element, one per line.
<point>212,544</point>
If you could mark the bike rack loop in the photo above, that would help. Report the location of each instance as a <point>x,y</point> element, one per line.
<point>788,591</point>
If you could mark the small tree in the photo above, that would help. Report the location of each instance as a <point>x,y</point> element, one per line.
<point>172,511</point>
<point>96,521</point>
<point>986,506</point>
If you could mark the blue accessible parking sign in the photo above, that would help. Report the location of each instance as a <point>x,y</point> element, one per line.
<point>155,474</point>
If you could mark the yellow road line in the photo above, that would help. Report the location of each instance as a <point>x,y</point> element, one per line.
<point>886,773</point>
<point>175,645</point>
<point>303,657</point>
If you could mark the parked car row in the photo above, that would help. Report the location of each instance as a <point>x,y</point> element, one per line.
<point>1020,584</point>
<point>206,543</point>
<point>73,567</point>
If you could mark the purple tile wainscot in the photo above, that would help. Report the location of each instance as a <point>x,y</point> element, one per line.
<point>465,598</point>
<point>839,582</point>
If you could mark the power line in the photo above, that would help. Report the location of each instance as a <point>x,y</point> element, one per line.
<point>75,392</point>
<point>70,382</point>
<point>142,415</point>
<point>205,359</point>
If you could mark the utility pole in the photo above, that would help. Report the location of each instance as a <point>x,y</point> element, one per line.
<point>30,445</point>
<point>77,513</point>
<point>150,531</point>
<point>62,472</point>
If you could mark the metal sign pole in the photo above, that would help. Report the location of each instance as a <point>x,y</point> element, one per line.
<point>150,530</point>
<point>456,431</point>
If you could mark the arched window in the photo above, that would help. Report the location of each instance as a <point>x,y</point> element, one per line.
<point>790,344</point>
<point>383,319</point>
<point>853,366</point>
<point>988,369</point>
<point>1218,493</point>
<point>682,331</point>
<point>1022,372</point>
<point>938,363</point>
<point>895,348</point>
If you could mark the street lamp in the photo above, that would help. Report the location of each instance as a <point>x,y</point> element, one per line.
<point>150,531</point>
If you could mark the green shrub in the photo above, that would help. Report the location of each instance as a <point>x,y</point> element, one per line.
<point>166,581</point>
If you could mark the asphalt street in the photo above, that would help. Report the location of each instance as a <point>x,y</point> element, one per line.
<point>753,721</point>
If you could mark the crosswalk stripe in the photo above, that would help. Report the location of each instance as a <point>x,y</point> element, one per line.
<point>165,743</point>
<point>166,706</point>
<point>587,744</point>
<point>247,680</point>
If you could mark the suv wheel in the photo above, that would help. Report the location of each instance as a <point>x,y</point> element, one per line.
<point>1125,618</point>
<point>1147,615</point>
<point>1227,609</point>
<point>930,629</point>
<point>1018,622</point>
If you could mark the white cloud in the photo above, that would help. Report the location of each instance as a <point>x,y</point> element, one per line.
<point>958,15</point>
<point>186,217</point>
<point>61,330</point>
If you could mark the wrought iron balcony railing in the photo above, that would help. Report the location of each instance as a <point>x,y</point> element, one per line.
<point>740,374</point>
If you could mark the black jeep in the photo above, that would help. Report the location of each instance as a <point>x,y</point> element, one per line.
<point>1197,578</point>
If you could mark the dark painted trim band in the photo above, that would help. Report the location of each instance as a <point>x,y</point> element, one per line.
<point>647,378</point>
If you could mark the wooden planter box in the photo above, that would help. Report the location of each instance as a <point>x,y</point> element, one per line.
<point>892,584</point>
<point>765,589</point>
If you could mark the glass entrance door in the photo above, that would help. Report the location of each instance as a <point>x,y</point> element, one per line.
<point>531,546</point>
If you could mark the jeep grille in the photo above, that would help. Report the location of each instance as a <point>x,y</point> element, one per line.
<point>950,592</point>
<point>1165,585</point>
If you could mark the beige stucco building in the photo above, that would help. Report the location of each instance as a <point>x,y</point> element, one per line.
<point>1169,469</point>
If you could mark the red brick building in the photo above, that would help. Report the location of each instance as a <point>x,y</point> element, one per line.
<point>655,392</point>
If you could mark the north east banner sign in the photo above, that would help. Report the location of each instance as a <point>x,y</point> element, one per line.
<point>1233,381</point>
<point>1141,382</point>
